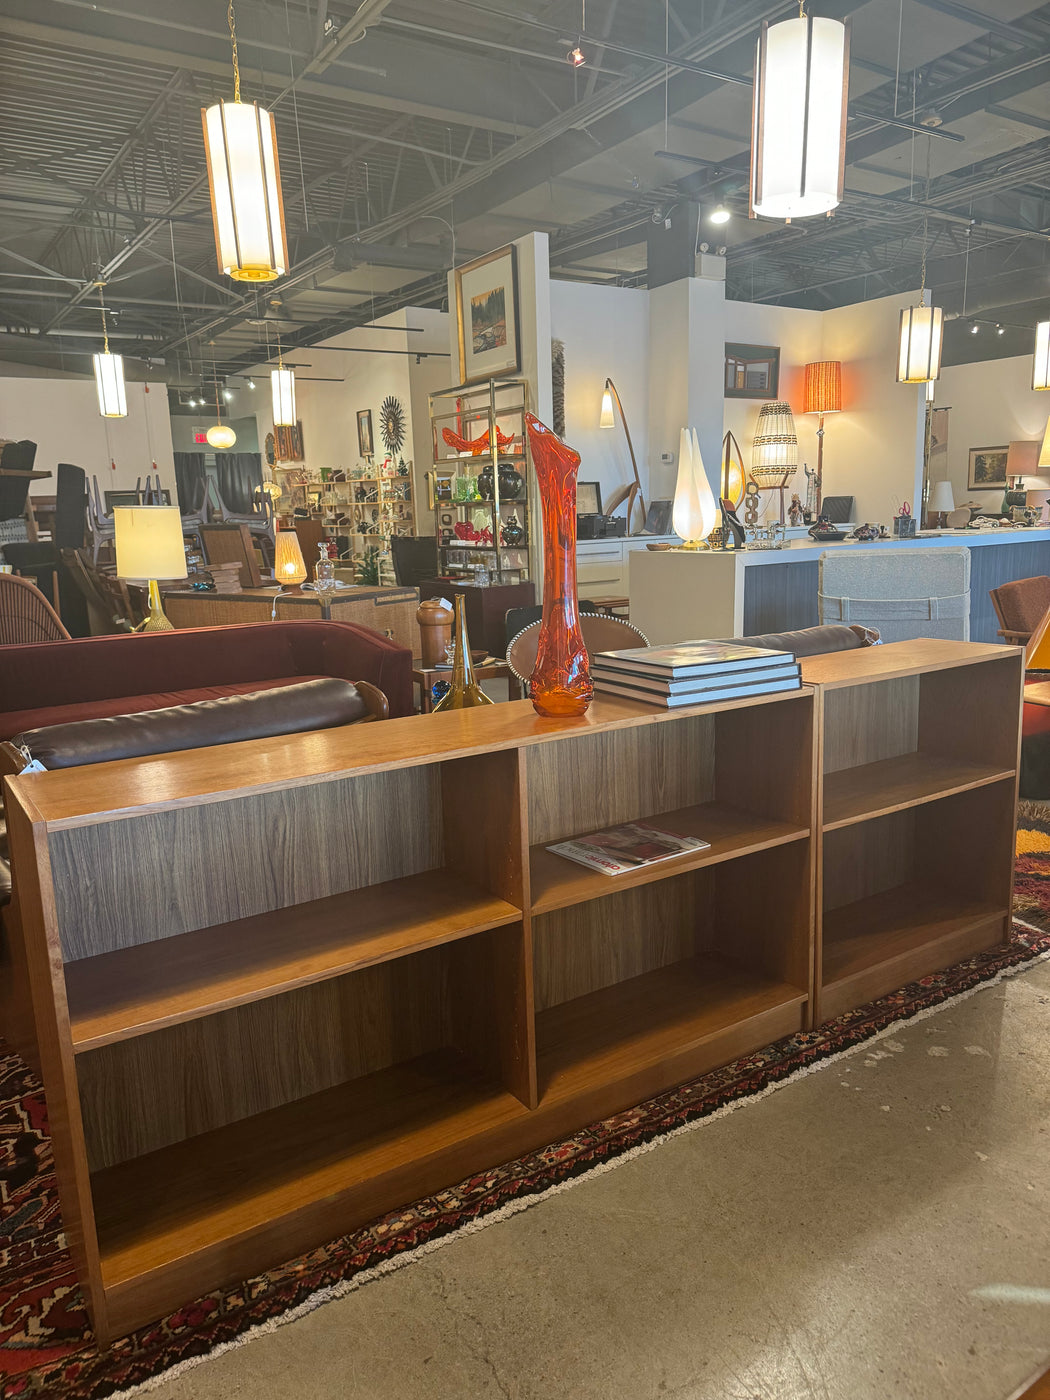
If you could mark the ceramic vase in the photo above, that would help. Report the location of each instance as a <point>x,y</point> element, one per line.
<point>561,683</point>
<point>464,692</point>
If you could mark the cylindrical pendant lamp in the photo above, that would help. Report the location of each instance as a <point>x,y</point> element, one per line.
<point>282,383</point>
<point>1041,359</point>
<point>798,124</point>
<point>109,383</point>
<point>921,335</point>
<point>245,182</point>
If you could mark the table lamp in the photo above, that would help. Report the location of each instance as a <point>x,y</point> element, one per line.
<point>1041,498</point>
<point>822,393</point>
<point>774,453</point>
<point>289,566</point>
<point>1022,459</point>
<point>941,501</point>
<point>150,546</point>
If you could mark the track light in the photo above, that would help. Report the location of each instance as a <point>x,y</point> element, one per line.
<point>721,215</point>
<point>227,395</point>
<point>576,56</point>
<point>1000,330</point>
<point>721,250</point>
<point>974,328</point>
<point>251,383</point>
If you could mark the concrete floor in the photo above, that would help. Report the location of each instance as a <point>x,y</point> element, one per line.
<point>876,1231</point>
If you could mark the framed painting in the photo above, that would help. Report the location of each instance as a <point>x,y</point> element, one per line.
<point>588,498</point>
<point>288,442</point>
<point>988,468</point>
<point>752,371</point>
<point>365,441</point>
<point>487,316</point>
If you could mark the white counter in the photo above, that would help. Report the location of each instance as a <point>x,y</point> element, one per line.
<point>681,595</point>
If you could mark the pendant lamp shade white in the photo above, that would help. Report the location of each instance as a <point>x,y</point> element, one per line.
<point>221,435</point>
<point>694,514</point>
<point>109,382</point>
<point>1041,360</point>
<point>282,383</point>
<point>798,122</point>
<point>245,182</point>
<point>921,336</point>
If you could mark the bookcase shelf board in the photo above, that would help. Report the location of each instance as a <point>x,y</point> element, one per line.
<point>357,945</point>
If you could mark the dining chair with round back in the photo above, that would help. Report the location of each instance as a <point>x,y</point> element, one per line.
<point>600,633</point>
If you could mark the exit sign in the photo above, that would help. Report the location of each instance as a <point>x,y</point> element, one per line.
<point>199,435</point>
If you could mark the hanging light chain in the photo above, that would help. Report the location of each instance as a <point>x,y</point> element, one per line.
<point>105,332</point>
<point>925,226</point>
<point>233,42</point>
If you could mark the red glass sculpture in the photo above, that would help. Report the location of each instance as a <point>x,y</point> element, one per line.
<point>561,683</point>
<point>476,446</point>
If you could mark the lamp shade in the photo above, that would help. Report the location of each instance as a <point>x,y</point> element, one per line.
<point>282,384</point>
<point>1043,464</point>
<point>221,435</point>
<point>1041,358</point>
<point>822,388</point>
<point>245,182</point>
<point>694,514</point>
<point>798,122</point>
<point>733,483</point>
<point>606,419</point>
<point>919,353</point>
<point>109,382</point>
<point>774,453</point>
<point>149,542</point>
<point>1022,459</point>
<point>289,567</point>
<point>942,498</point>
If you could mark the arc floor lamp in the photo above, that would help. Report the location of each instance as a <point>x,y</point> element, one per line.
<point>632,492</point>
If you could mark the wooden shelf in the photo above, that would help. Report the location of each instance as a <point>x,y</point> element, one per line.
<point>206,1192</point>
<point>731,831</point>
<point>902,933</point>
<point>875,789</point>
<point>116,996</point>
<point>650,1020</point>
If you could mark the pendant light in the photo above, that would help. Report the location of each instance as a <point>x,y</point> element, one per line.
<point>220,434</point>
<point>922,326</point>
<point>109,375</point>
<point>798,122</point>
<point>282,384</point>
<point>1041,360</point>
<point>244,179</point>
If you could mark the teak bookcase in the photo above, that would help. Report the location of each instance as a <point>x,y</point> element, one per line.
<point>282,987</point>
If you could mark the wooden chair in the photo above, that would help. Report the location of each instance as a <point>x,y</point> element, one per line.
<point>232,543</point>
<point>1020,607</point>
<point>25,614</point>
<point>109,605</point>
<point>600,633</point>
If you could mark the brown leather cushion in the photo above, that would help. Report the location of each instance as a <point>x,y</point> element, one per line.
<point>16,721</point>
<point>815,641</point>
<point>318,704</point>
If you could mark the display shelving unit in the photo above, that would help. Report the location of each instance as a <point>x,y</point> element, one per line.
<point>470,411</point>
<point>363,975</point>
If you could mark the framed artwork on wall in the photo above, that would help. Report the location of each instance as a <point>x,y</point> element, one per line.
<point>752,371</point>
<point>487,316</point>
<point>288,442</point>
<point>365,441</point>
<point>588,498</point>
<point>988,468</point>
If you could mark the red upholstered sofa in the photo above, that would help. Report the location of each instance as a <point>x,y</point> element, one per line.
<point>94,677</point>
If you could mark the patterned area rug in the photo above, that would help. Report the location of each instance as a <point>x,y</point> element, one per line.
<point>46,1348</point>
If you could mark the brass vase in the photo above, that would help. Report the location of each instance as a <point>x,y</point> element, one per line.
<point>464,692</point>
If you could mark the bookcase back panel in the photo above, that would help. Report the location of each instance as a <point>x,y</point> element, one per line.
<point>593,945</point>
<point>142,1094</point>
<point>867,723</point>
<point>870,857</point>
<point>121,883</point>
<point>597,780</point>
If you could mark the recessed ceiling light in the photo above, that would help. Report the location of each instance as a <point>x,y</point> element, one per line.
<point>721,215</point>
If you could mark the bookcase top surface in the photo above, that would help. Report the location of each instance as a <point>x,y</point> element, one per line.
<point>112,791</point>
<point>881,663</point>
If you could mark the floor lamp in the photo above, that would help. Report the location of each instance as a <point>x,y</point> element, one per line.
<point>822,393</point>
<point>633,490</point>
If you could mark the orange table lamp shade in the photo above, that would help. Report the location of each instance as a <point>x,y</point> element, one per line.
<point>822,389</point>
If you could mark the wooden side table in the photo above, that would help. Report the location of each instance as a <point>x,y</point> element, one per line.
<point>425,676</point>
<point>487,607</point>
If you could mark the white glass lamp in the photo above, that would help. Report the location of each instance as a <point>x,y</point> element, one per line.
<point>289,567</point>
<point>245,182</point>
<point>798,123</point>
<point>221,435</point>
<point>109,384</point>
<point>921,335</point>
<point>606,419</point>
<point>150,546</point>
<point>282,384</point>
<point>1041,358</point>
<point>694,514</point>
<point>942,499</point>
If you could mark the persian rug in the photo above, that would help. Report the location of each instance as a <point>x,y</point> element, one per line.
<point>46,1347</point>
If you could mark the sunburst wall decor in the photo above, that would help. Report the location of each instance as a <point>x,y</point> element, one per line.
<point>392,424</point>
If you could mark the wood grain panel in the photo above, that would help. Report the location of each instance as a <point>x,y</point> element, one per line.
<point>780,597</point>
<point>956,707</point>
<point>867,723</point>
<point>763,914</point>
<point>589,946</point>
<point>865,859</point>
<point>493,1020</point>
<point>142,1094</point>
<point>768,767</point>
<point>966,843</point>
<point>162,873</point>
<point>619,775</point>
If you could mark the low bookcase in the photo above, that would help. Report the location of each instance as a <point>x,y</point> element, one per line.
<point>284,986</point>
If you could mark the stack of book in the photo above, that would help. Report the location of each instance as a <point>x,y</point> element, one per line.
<point>694,673</point>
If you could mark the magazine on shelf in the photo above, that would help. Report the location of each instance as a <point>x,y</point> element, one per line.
<point>619,849</point>
<point>661,685</point>
<point>696,697</point>
<point>680,659</point>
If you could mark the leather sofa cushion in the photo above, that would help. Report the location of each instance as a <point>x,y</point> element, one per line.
<point>816,641</point>
<point>16,721</point>
<point>317,704</point>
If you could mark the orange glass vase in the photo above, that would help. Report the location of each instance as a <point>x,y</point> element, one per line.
<point>561,683</point>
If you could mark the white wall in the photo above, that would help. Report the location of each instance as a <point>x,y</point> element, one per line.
<point>437,371</point>
<point>606,335</point>
<point>991,404</point>
<point>873,449</point>
<point>61,416</point>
